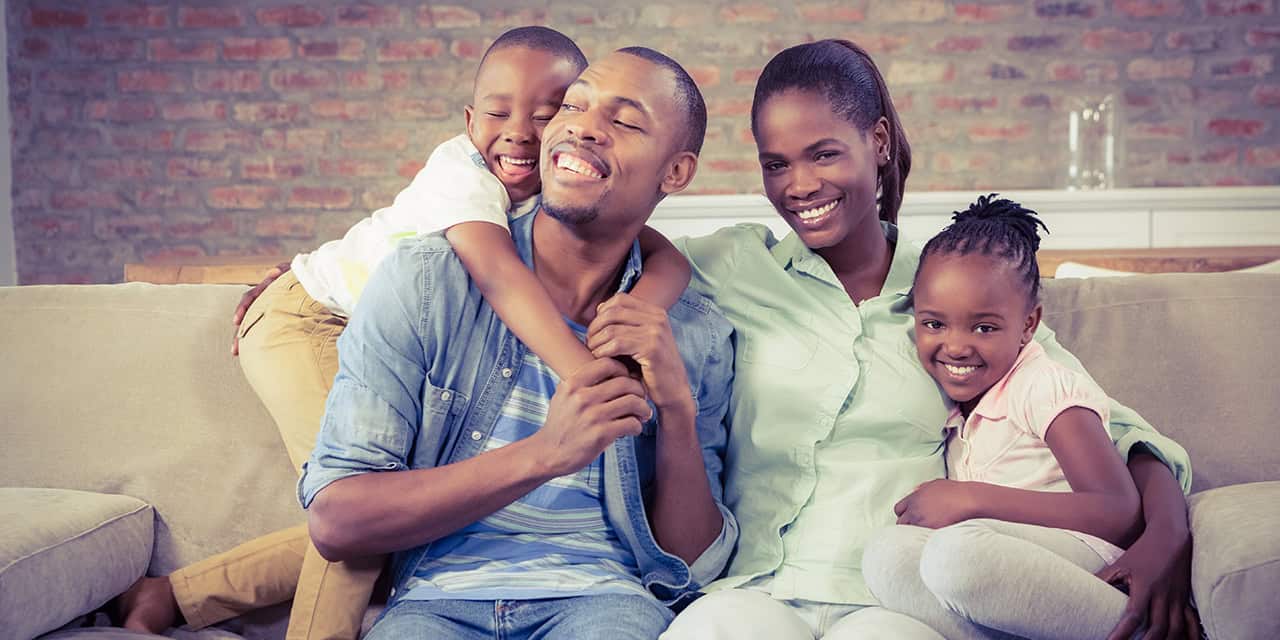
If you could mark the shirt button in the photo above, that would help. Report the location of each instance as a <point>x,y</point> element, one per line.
<point>476,435</point>
<point>445,395</point>
<point>506,373</point>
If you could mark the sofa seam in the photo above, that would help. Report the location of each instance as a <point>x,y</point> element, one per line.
<point>77,536</point>
<point>1224,577</point>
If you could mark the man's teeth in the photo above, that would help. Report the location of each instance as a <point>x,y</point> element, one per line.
<point>566,161</point>
<point>959,371</point>
<point>519,162</point>
<point>809,214</point>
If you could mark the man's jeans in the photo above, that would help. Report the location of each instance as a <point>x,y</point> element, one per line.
<point>607,617</point>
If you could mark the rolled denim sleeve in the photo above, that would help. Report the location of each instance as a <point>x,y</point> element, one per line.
<point>713,434</point>
<point>1126,426</point>
<point>375,406</point>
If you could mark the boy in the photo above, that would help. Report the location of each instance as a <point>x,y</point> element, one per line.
<point>289,333</point>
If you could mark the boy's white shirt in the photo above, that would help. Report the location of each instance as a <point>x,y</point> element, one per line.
<point>453,187</point>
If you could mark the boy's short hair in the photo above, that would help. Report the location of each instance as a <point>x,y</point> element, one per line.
<point>540,39</point>
<point>688,97</point>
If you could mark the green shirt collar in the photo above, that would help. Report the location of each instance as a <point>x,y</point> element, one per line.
<point>791,252</point>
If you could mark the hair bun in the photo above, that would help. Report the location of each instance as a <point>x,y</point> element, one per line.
<point>993,209</point>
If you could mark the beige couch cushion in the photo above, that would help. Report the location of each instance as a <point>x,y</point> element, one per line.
<point>1235,567</point>
<point>1193,353</point>
<point>65,553</point>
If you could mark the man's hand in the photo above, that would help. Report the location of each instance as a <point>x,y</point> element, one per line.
<point>628,326</point>
<point>1156,572</point>
<point>596,405</point>
<point>936,504</point>
<point>248,298</point>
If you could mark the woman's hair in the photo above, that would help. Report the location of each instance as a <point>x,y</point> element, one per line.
<point>845,74</point>
<point>996,227</point>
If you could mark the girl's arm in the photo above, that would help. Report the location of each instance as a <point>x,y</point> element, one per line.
<point>666,271</point>
<point>490,257</point>
<point>1103,500</point>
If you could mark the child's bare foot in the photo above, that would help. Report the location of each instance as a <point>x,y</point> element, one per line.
<point>148,606</point>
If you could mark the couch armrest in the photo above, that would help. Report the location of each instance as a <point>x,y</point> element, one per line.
<point>1235,563</point>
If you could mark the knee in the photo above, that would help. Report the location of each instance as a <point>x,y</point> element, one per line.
<point>892,557</point>
<point>955,564</point>
<point>721,614</point>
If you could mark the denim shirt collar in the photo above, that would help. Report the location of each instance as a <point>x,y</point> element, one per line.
<point>522,234</point>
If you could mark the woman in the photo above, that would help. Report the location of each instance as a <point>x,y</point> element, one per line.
<point>833,418</point>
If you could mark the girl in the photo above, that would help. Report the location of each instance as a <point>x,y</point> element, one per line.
<point>833,418</point>
<point>1036,498</point>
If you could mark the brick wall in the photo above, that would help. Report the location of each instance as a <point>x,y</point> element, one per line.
<point>145,131</point>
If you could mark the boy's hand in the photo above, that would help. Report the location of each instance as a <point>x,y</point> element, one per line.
<point>594,406</point>
<point>936,504</point>
<point>248,298</point>
<point>628,326</point>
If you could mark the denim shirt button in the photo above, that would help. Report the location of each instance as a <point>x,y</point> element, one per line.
<point>506,373</point>
<point>476,435</point>
<point>445,395</point>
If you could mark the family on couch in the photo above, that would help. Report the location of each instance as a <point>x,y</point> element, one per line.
<point>557,429</point>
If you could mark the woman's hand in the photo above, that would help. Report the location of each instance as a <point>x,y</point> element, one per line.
<point>1156,573</point>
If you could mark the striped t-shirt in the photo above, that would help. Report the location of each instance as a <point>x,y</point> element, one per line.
<point>554,542</point>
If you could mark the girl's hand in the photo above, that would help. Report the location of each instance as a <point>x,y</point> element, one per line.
<point>937,503</point>
<point>1156,572</point>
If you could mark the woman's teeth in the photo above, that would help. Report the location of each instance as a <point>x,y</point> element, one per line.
<point>809,214</point>
<point>566,161</point>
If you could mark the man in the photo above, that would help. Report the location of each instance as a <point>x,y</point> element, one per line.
<point>520,505</point>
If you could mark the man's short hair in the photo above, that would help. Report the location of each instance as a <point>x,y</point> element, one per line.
<point>539,39</point>
<point>688,97</point>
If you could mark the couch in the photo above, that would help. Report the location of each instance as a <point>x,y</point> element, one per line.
<point>128,396</point>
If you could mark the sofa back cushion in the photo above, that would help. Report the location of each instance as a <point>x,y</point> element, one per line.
<point>1194,354</point>
<point>132,389</point>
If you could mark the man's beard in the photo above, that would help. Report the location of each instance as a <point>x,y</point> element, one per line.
<point>575,216</point>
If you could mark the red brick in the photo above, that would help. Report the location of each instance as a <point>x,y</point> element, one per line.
<point>84,199</point>
<point>959,44</point>
<point>1158,131</point>
<point>210,18</point>
<point>144,81</point>
<point>272,168</point>
<point>360,80</point>
<point>883,43</point>
<point>909,72</point>
<point>51,227</point>
<point>267,112</point>
<point>166,50</point>
<point>1150,8</point>
<point>57,19</point>
<point>960,104</point>
<point>400,80</point>
<point>952,162</point>
<point>286,225</point>
<point>1268,157</point>
<point>56,170</point>
<point>746,76</point>
<point>336,109</point>
<point>726,165</point>
<point>320,198</point>
<point>1233,8</point>
<point>502,19</point>
<point>304,79</point>
<point>100,49</point>
<point>196,227</point>
<point>376,140</point>
<point>1046,42</point>
<point>228,80</point>
<point>830,12</point>
<point>293,16</point>
<point>467,49</point>
<point>119,168</point>
<point>448,16</point>
<point>1010,131</point>
<point>165,197</point>
<point>36,48</point>
<point>242,196</point>
<point>1263,37</point>
<point>748,14</point>
<point>1266,95</point>
<point>1143,69</point>
<point>918,11</point>
<point>705,75</point>
<point>127,227</point>
<point>295,139</point>
<point>58,113</point>
<point>207,110</point>
<point>1117,40</point>
<point>368,15</point>
<point>1066,9</point>
<point>409,168</point>
<point>142,140</point>
<point>407,50</point>
<point>355,168</point>
<point>729,107</point>
<point>217,140</point>
<point>1195,41</point>
<point>148,17</point>
<point>1225,157</point>
<point>175,253</point>
<point>346,49</point>
<point>31,198</point>
<point>988,13</point>
<point>1236,127</point>
<point>120,110</point>
<point>1254,66</point>
<point>416,108</point>
<point>73,80</point>
<point>189,168</point>
<point>256,49</point>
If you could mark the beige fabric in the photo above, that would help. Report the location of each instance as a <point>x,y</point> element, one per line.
<point>260,572</point>
<point>1194,354</point>
<point>1235,565</point>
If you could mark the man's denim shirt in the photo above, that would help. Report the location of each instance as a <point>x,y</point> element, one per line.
<point>425,366</point>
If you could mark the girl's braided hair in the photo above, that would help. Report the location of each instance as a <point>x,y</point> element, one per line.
<point>996,227</point>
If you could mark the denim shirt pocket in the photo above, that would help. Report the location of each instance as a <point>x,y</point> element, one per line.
<point>441,408</point>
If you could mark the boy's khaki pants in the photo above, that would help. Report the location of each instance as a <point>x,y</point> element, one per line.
<point>288,350</point>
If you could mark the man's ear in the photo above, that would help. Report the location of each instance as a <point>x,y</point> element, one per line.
<point>680,172</point>
<point>466,114</point>
<point>1033,323</point>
